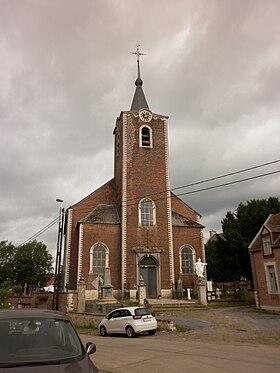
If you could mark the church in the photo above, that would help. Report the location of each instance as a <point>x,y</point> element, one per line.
<point>134,225</point>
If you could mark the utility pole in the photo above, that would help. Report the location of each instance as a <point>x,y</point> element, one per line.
<point>57,274</point>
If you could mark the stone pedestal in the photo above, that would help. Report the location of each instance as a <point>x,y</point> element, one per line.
<point>142,293</point>
<point>81,295</point>
<point>180,288</point>
<point>107,288</point>
<point>244,286</point>
<point>201,290</point>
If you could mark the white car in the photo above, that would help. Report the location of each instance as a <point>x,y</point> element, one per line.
<point>129,321</point>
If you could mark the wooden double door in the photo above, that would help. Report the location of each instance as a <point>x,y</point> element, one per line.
<point>148,269</point>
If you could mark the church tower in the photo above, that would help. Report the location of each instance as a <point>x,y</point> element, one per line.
<point>143,192</point>
<point>133,225</point>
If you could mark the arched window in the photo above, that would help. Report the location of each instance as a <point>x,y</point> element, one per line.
<point>147,212</point>
<point>99,258</point>
<point>187,260</point>
<point>145,137</point>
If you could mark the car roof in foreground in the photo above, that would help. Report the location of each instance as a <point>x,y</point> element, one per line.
<point>31,312</point>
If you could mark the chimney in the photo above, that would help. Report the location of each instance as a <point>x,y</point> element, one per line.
<point>212,233</point>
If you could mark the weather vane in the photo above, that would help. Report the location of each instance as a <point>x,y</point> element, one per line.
<point>138,53</point>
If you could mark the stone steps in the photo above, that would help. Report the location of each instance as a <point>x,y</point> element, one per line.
<point>159,306</point>
<point>174,306</point>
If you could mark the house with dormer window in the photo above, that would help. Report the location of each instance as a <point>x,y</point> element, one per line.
<point>265,262</point>
<point>134,225</point>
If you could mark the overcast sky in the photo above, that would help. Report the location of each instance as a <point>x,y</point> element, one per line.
<point>67,72</point>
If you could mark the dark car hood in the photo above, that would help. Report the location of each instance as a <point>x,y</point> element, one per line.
<point>83,366</point>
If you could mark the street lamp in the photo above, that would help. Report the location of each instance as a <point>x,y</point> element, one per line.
<point>57,274</point>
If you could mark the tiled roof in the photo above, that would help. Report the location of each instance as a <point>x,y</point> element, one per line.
<point>102,214</point>
<point>181,221</point>
<point>272,224</point>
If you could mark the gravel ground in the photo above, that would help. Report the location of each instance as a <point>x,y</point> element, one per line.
<point>229,324</point>
<point>236,324</point>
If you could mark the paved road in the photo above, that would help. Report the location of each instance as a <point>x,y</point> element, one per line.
<point>246,315</point>
<point>158,353</point>
<point>190,323</point>
<point>235,339</point>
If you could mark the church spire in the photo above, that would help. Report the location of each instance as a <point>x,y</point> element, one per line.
<point>139,100</point>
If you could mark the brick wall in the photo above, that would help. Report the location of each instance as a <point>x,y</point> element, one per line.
<point>105,194</point>
<point>44,300</point>
<point>139,172</point>
<point>108,234</point>
<point>186,236</point>
<point>258,261</point>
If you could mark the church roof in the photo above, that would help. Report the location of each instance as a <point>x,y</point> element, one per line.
<point>139,101</point>
<point>102,214</point>
<point>179,220</point>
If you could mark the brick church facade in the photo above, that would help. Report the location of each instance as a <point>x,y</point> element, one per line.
<point>134,224</point>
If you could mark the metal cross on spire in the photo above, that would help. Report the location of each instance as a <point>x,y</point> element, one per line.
<point>138,53</point>
<point>139,100</point>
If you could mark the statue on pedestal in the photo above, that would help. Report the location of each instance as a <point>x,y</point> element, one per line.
<point>199,268</point>
<point>201,281</point>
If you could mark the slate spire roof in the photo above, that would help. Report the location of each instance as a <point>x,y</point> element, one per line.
<point>139,101</point>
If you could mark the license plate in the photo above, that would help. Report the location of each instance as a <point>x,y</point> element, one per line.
<point>147,319</point>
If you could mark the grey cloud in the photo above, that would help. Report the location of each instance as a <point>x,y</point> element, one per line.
<point>67,73</point>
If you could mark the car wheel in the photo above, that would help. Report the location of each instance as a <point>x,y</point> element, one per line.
<point>103,331</point>
<point>130,332</point>
<point>152,332</point>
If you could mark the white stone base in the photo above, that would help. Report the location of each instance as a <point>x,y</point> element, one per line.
<point>166,293</point>
<point>91,295</point>
<point>270,308</point>
<point>132,294</point>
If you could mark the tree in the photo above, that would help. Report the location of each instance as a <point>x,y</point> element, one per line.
<point>228,258</point>
<point>251,217</point>
<point>214,268</point>
<point>32,264</point>
<point>7,290</point>
<point>7,253</point>
<point>5,293</point>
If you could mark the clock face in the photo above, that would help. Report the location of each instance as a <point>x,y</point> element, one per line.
<point>145,115</point>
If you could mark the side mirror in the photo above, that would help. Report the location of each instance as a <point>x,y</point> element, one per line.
<point>90,348</point>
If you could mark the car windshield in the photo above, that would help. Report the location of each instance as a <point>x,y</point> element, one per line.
<point>37,341</point>
<point>143,311</point>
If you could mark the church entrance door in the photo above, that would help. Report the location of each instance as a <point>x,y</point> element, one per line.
<point>148,270</point>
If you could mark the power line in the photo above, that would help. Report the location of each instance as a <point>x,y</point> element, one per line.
<point>41,231</point>
<point>229,174</point>
<point>133,201</point>
<point>208,180</point>
<point>229,183</point>
<point>129,201</point>
<point>217,186</point>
